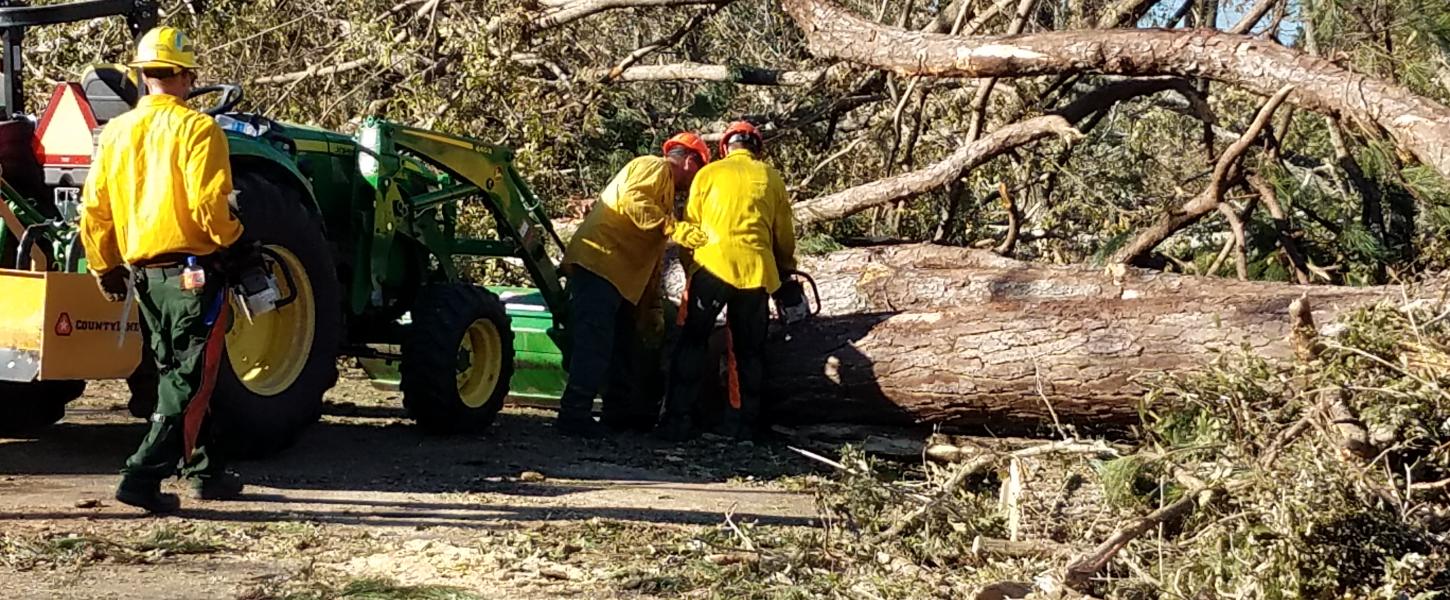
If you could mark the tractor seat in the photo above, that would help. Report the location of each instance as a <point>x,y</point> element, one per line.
<point>111,90</point>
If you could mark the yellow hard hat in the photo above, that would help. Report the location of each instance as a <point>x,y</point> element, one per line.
<point>165,47</point>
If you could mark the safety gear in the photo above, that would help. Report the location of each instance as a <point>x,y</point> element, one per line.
<point>741,128</point>
<point>158,185</point>
<point>689,140</point>
<point>113,284</point>
<point>165,47</point>
<point>225,485</point>
<point>747,319</point>
<point>623,237</point>
<point>148,498</point>
<point>689,235</point>
<point>586,428</point>
<point>741,203</point>
<point>186,332</point>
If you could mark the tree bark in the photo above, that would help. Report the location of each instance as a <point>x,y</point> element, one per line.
<point>565,13</point>
<point>877,193</point>
<point>1417,124</point>
<point>936,334</point>
<point>1253,15</point>
<point>742,75</point>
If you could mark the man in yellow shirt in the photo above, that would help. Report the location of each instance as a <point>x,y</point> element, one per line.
<point>742,205</point>
<point>612,263</point>
<point>157,199</point>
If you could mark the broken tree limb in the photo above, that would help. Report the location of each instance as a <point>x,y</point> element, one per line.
<point>981,463</point>
<point>1208,200</point>
<point>942,335</point>
<point>1014,221</point>
<point>1124,13</point>
<point>906,185</point>
<point>1417,124</point>
<point>1082,569</point>
<point>629,60</point>
<point>313,71</point>
<point>688,71</point>
<point>565,13</point>
<point>1287,243</point>
<point>1252,16</point>
<point>999,548</point>
<point>1236,226</point>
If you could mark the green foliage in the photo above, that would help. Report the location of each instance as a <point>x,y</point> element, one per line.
<point>1309,522</point>
<point>68,550</point>
<point>816,244</point>
<point>369,588</point>
<point>474,68</point>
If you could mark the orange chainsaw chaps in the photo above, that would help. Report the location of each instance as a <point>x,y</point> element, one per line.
<point>200,404</point>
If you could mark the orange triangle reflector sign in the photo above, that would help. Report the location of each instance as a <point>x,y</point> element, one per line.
<point>64,135</point>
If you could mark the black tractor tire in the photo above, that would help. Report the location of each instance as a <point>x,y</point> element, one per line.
<point>26,407</point>
<point>433,357</point>
<point>250,424</point>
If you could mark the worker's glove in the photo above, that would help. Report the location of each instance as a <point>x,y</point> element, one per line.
<point>113,284</point>
<point>690,236</point>
<point>241,257</point>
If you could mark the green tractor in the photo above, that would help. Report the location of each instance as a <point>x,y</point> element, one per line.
<point>361,233</point>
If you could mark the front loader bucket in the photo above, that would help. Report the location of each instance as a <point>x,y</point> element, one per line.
<point>59,326</point>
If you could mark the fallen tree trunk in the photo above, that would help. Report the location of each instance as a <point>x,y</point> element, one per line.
<point>1417,124</point>
<point>933,334</point>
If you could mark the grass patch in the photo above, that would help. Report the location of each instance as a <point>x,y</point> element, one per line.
<point>73,550</point>
<point>368,588</point>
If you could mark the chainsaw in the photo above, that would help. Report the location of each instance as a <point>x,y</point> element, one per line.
<point>791,304</point>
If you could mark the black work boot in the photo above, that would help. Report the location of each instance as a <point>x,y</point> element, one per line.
<point>580,427</point>
<point>147,497</point>
<point>222,486</point>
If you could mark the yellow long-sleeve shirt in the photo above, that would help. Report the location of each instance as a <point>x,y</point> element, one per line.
<point>623,237</point>
<point>742,205</point>
<point>159,184</point>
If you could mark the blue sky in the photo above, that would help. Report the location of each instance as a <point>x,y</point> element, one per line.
<point>1230,11</point>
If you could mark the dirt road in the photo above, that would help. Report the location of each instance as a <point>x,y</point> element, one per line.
<point>365,496</point>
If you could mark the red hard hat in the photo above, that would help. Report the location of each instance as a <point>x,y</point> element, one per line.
<point>739,127</point>
<point>691,141</point>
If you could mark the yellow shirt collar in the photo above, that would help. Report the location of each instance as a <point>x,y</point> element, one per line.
<point>158,100</point>
<point>738,151</point>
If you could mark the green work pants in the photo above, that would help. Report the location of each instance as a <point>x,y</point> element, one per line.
<point>177,322</point>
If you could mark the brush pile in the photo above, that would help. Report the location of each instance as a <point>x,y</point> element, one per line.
<point>1325,478</point>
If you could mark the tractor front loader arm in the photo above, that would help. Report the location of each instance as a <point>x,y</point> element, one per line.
<point>480,170</point>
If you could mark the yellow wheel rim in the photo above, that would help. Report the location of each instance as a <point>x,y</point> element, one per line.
<point>269,352</point>
<point>478,364</point>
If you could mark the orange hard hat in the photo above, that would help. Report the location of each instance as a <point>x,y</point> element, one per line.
<point>690,141</point>
<point>739,127</point>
